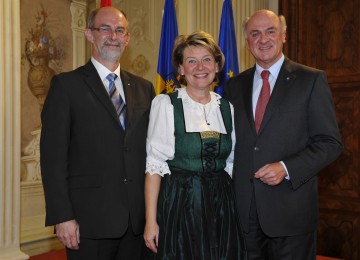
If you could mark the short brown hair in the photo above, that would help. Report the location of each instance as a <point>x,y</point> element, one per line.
<point>199,38</point>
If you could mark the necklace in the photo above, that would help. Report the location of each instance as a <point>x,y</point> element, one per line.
<point>206,115</point>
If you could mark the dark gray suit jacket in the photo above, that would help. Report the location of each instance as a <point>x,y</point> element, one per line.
<point>299,128</point>
<point>92,170</point>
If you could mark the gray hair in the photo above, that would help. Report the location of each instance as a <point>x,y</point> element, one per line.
<point>92,15</point>
<point>281,19</point>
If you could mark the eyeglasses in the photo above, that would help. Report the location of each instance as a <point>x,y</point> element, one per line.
<point>107,31</point>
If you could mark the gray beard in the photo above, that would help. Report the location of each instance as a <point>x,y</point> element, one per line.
<point>109,56</point>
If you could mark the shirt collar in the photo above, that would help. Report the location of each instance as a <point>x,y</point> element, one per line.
<point>274,69</point>
<point>102,70</point>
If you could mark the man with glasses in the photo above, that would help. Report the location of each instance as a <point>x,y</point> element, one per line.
<point>94,125</point>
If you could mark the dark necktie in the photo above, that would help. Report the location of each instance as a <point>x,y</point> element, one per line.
<point>116,99</point>
<point>262,100</point>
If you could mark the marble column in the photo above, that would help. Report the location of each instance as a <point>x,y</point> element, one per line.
<point>10,58</point>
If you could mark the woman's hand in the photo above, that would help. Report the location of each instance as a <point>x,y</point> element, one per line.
<point>151,236</point>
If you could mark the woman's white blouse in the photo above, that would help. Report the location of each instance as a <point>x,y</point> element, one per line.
<point>160,142</point>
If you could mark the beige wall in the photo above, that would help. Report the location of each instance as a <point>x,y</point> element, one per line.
<point>59,24</point>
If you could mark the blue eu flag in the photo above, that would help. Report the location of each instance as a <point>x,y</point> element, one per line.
<point>166,78</point>
<point>227,43</point>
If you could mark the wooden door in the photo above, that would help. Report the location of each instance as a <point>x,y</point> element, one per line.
<point>326,34</point>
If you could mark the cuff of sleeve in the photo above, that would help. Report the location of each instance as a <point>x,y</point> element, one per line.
<point>161,169</point>
<point>287,173</point>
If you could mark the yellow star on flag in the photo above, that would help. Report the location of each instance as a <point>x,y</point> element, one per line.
<point>230,73</point>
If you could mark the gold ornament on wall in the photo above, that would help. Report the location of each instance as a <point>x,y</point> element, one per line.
<point>140,65</point>
<point>40,50</point>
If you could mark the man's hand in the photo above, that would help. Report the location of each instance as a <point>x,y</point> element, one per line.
<point>271,174</point>
<point>68,233</point>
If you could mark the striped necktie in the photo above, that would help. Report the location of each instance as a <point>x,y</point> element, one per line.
<point>262,100</point>
<point>115,96</point>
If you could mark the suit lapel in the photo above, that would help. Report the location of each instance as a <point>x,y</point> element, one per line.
<point>129,97</point>
<point>94,82</point>
<point>281,89</point>
<point>249,79</point>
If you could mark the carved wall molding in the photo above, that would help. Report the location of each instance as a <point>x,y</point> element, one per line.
<point>340,232</point>
<point>140,65</point>
<point>137,26</point>
<point>78,26</point>
<point>30,162</point>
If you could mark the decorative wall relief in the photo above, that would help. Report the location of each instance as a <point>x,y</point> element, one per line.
<point>43,54</point>
<point>141,55</point>
<point>137,25</point>
<point>140,65</point>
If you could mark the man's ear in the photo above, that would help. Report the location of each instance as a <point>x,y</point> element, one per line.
<point>247,44</point>
<point>284,37</point>
<point>89,35</point>
<point>127,40</point>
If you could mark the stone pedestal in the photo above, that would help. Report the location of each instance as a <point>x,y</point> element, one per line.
<point>35,238</point>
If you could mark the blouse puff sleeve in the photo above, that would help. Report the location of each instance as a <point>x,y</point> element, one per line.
<point>160,142</point>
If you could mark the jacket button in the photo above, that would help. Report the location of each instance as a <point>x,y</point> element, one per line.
<point>256,148</point>
<point>251,180</point>
<point>125,181</point>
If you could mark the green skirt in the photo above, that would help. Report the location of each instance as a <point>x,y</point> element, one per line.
<point>197,217</point>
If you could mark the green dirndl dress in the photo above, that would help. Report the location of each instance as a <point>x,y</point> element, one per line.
<point>196,205</point>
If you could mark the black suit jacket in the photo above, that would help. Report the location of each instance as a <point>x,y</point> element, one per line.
<point>92,170</point>
<point>299,128</point>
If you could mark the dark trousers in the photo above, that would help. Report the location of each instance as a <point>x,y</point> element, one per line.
<point>129,246</point>
<point>262,247</point>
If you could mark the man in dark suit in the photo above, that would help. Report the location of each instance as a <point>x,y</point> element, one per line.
<point>277,158</point>
<point>92,166</point>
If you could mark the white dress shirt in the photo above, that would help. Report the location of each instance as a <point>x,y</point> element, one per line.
<point>257,85</point>
<point>103,72</point>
